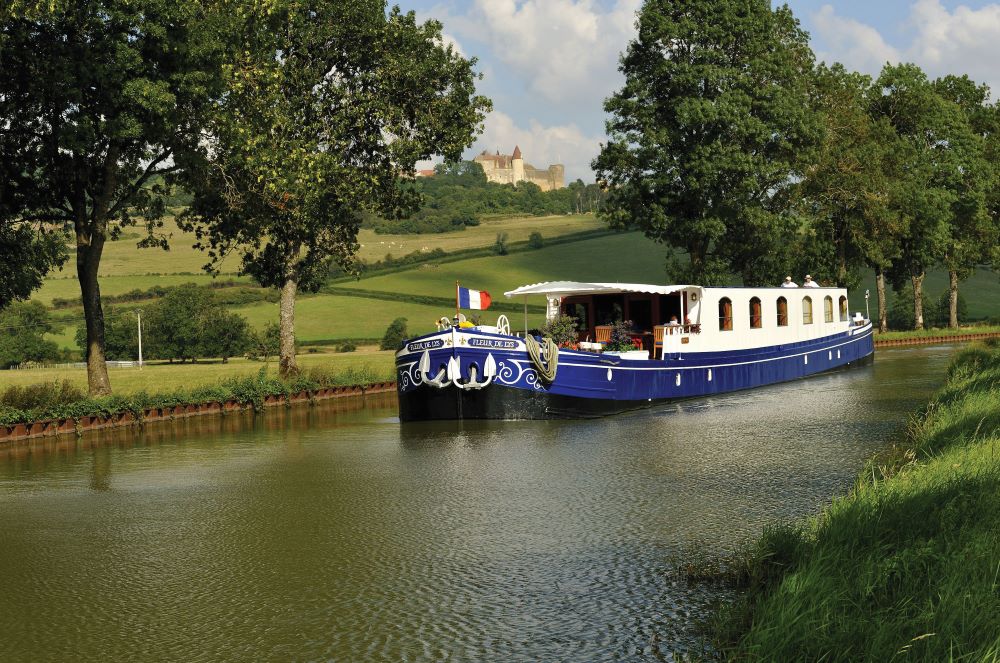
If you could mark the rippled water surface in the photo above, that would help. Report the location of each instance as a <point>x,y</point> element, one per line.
<point>333,533</point>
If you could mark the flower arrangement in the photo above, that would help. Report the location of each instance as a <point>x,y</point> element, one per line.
<point>621,337</point>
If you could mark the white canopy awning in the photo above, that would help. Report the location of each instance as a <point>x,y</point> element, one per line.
<point>568,288</point>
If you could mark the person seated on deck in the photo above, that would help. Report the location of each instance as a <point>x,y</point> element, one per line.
<point>673,323</point>
<point>789,283</point>
<point>810,283</point>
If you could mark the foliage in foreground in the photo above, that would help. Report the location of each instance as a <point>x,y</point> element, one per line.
<point>905,567</point>
<point>60,400</point>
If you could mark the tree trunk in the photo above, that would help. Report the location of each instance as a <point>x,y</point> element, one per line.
<point>88,259</point>
<point>918,299</point>
<point>287,367</point>
<point>953,299</point>
<point>842,263</point>
<point>883,314</point>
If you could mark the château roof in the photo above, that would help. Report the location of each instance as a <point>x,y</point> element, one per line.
<point>517,152</point>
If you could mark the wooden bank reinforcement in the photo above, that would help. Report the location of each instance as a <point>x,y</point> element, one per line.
<point>77,426</point>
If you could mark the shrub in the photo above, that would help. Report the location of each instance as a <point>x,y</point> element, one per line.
<point>500,246</point>
<point>535,240</point>
<point>265,343</point>
<point>23,326</point>
<point>562,330</point>
<point>43,395</point>
<point>347,346</point>
<point>394,335</point>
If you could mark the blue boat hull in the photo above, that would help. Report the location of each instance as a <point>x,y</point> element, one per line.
<point>593,385</point>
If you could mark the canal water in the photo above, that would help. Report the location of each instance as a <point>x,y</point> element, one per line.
<point>334,533</point>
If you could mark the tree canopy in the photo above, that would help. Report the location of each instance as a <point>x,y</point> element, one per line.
<point>326,106</point>
<point>708,132</point>
<point>98,97</point>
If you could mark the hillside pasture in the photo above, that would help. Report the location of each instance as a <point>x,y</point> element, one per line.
<point>626,258</point>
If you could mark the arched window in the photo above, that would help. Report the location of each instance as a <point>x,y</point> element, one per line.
<point>807,310</point>
<point>725,314</point>
<point>828,309</point>
<point>843,308</point>
<point>755,319</point>
<point>782,312</point>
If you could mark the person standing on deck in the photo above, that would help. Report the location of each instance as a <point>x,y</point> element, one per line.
<point>789,283</point>
<point>810,283</point>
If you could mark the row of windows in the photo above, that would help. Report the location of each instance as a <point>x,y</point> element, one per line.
<point>781,309</point>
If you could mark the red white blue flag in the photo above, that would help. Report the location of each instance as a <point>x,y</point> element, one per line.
<point>473,299</point>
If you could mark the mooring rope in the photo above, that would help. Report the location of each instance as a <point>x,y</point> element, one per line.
<point>546,369</point>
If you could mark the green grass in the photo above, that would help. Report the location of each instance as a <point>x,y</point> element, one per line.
<point>67,287</point>
<point>164,377</point>
<point>907,566</point>
<point>628,257</point>
<point>923,333</point>
<point>981,292</point>
<point>324,317</point>
<point>375,246</point>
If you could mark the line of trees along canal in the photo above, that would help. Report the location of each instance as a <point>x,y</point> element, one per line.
<point>729,142</point>
<point>288,124</point>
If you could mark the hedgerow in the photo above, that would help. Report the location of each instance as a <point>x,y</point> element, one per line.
<point>247,391</point>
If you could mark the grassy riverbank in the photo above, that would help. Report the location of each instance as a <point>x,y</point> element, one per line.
<point>166,377</point>
<point>156,387</point>
<point>905,567</point>
<point>928,333</point>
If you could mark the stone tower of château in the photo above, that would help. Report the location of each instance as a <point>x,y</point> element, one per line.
<point>511,169</point>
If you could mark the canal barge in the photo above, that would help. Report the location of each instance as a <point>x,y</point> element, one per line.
<point>687,341</point>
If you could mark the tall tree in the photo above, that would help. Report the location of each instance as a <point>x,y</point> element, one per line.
<point>972,229</point>
<point>931,132</point>
<point>328,104</point>
<point>845,191</point>
<point>96,98</point>
<point>709,132</point>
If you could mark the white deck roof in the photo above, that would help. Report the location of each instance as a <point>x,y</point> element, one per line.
<point>565,288</point>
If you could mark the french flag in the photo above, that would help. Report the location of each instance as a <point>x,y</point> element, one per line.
<point>473,299</point>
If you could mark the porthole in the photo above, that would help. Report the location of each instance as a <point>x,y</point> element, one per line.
<point>838,354</point>
<point>609,375</point>
<point>806,358</point>
<point>829,355</point>
<point>678,379</point>
<point>710,375</point>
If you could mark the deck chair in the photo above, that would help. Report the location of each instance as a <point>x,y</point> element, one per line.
<point>658,332</point>
<point>602,333</point>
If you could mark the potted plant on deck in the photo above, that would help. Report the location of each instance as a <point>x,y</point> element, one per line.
<point>622,344</point>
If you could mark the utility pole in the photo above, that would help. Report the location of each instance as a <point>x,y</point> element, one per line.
<point>138,317</point>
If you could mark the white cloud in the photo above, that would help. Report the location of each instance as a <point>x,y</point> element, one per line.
<point>852,43</point>
<point>565,50</point>
<point>963,41</point>
<point>541,145</point>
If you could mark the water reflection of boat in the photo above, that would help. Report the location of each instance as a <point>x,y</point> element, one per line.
<point>689,341</point>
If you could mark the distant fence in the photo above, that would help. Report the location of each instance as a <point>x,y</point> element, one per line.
<point>31,365</point>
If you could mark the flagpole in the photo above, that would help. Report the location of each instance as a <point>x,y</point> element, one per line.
<point>456,302</point>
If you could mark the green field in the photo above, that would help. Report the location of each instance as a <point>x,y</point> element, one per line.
<point>163,377</point>
<point>375,246</point>
<point>121,257</point>
<point>326,317</point>
<point>69,288</point>
<point>981,292</point>
<point>627,258</point>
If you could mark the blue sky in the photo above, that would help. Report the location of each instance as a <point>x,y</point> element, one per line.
<point>549,64</point>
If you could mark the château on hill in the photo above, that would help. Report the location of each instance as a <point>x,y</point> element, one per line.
<point>511,169</point>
